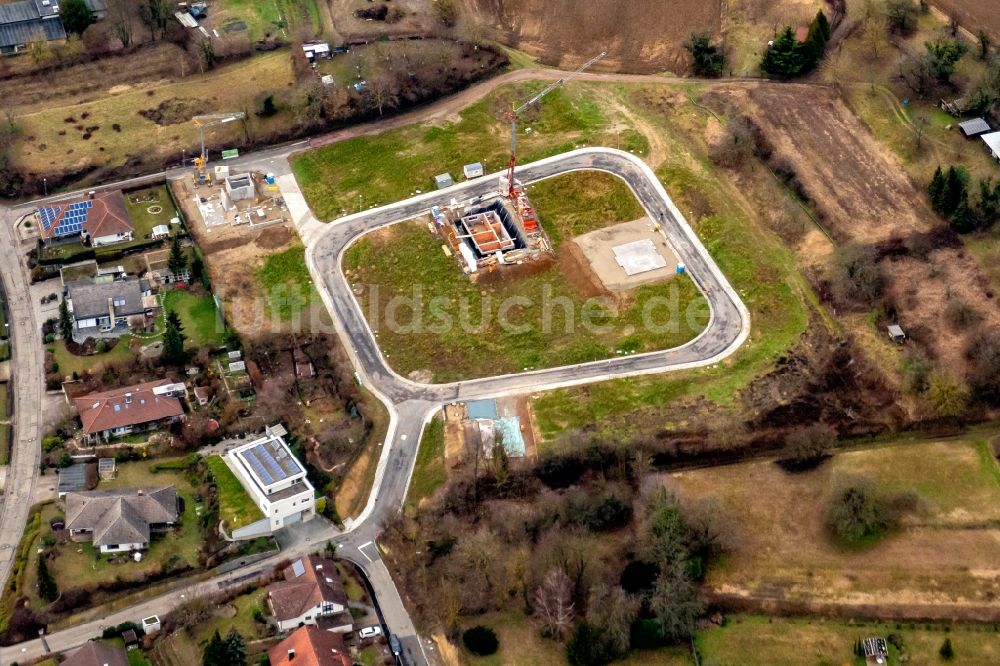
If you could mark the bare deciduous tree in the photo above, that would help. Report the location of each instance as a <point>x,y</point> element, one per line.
<point>554,603</point>
<point>121,18</point>
<point>612,611</point>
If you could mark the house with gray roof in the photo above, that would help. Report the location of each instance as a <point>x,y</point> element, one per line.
<point>96,653</point>
<point>27,21</point>
<point>103,307</point>
<point>120,520</point>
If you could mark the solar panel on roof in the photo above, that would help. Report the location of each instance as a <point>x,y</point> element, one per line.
<point>298,568</point>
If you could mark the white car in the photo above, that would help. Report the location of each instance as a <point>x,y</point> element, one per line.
<point>370,632</point>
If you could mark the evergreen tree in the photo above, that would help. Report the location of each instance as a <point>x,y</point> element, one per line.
<point>75,16</point>
<point>65,321</point>
<point>944,54</point>
<point>956,188</point>
<point>173,340</point>
<point>783,57</point>
<point>707,59</point>
<point>947,652</point>
<point>585,647</point>
<point>988,206</point>
<point>962,220</point>
<point>234,649</point>
<point>215,652</point>
<point>176,262</point>
<point>936,191</point>
<point>198,271</point>
<point>815,44</point>
<point>46,584</point>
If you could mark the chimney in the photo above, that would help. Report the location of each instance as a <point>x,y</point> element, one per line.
<point>291,654</point>
<point>92,193</point>
<point>140,492</point>
<point>128,398</point>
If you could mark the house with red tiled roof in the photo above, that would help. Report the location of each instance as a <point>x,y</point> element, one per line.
<point>123,411</point>
<point>310,646</point>
<point>96,653</point>
<point>100,219</point>
<point>311,591</point>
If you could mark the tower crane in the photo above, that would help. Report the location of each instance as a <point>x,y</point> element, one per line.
<point>209,120</point>
<point>513,115</point>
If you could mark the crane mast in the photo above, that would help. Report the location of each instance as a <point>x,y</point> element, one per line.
<point>209,120</point>
<point>515,113</point>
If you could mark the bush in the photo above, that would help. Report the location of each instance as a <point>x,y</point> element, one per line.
<point>947,652</point>
<point>860,514</point>
<point>480,640</point>
<point>856,276</point>
<point>118,630</point>
<point>812,444</point>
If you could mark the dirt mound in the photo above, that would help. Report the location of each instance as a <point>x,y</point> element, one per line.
<point>174,111</point>
<point>273,238</point>
<point>639,35</point>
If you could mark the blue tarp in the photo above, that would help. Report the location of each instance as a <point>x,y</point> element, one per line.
<point>482,409</point>
<point>510,426</point>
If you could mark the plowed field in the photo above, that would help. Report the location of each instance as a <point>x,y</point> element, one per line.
<point>974,14</point>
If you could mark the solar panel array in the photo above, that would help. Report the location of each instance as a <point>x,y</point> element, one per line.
<point>72,221</point>
<point>267,468</point>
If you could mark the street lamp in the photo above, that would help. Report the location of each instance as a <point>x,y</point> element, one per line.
<point>45,184</point>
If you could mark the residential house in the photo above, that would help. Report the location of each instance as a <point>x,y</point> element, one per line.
<point>110,306</point>
<point>123,411</point>
<point>992,141</point>
<point>120,520</point>
<point>101,218</point>
<point>25,22</point>
<point>310,646</point>
<point>275,480</point>
<point>96,653</point>
<point>311,591</point>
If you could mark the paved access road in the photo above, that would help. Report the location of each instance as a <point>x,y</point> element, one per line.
<point>26,383</point>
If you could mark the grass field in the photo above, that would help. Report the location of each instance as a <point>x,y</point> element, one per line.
<point>428,471</point>
<point>185,647</point>
<point>757,265</point>
<point>199,317</point>
<point>70,363</point>
<point>750,640</point>
<point>236,507</point>
<point>287,284</point>
<point>582,201</point>
<point>363,172</point>
<point>142,218</point>
<point>80,564</point>
<point>457,328</point>
<point>788,555</point>
<point>271,16</point>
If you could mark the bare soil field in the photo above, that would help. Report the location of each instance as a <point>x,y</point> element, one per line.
<point>565,32</point>
<point>973,14</point>
<point>943,557</point>
<point>853,181</point>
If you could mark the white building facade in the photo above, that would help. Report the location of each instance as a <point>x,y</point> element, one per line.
<point>276,481</point>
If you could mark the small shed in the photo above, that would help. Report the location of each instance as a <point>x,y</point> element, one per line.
<point>130,637</point>
<point>203,395</point>
<point>72,479</point>
<point>876,651</point>
<point>474,170</point>
<point>160,231</point>
<point>896,334</point>
<point>443,180</point>
<point>992,141</point>
<point>975,127</point>
<point>151,624</point>
<point>106,469</point>
<point>315,50</point>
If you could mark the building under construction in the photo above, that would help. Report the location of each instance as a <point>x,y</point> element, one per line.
<point>488,234</point>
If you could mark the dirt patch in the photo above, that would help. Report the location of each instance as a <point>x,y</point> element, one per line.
<point>598,247</point>
<point>924,292</point>
<point>350,495</point>
<point>858,187</point>
<point>574,265</point>
<point>173,111</point>
<point>274,238</point>
<point>973,14</point>
<point>566,32</point>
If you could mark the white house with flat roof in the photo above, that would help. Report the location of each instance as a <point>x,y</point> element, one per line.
<point>276,481</point>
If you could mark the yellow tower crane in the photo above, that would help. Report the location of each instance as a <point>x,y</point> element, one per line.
<point>208,120</point>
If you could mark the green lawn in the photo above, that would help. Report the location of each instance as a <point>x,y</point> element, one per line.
<point>139,203</point>
<point>4,414</point>
<point>750,640</point>
<point>199,317</point>
<point>271,16</point>
<point>70,363</point>
<point>5,443</point>
<point>287,283</point>
<point>79,563</point>
<point>458,329</point>
<point>759,267</point>
<point>582,201</point>
<point>340,178</point>
<point>428,471</point>
<point>236,507</point>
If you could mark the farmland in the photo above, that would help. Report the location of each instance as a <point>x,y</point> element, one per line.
<point>787,558</point>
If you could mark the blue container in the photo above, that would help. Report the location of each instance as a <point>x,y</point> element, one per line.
<point>681,269</point>
<point>270,179</point>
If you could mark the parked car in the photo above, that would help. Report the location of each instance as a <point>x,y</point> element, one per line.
<point>394,644</point>
<point>370,632</point>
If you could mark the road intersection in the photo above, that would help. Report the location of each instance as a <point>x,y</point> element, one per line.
<point>411,404</point>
